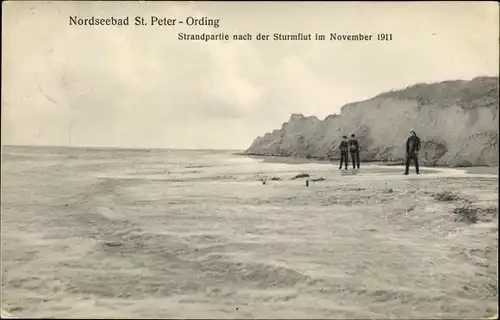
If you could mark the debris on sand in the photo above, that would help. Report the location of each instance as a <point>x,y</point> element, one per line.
<point>313,180</point>
<point>302,175</point>
<point>446,196</point>
<point>113,244</point>
<point>472,214</point>
<point>270,179</point>
<point>466,214</point>
<point>388,190</point>
<point>355,189</point>
<point>264,180</point>
<point>410,208</point>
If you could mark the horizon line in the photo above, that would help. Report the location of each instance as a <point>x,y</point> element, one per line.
<point>117,147</point>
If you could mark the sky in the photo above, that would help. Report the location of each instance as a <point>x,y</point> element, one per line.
<point>141,87</point>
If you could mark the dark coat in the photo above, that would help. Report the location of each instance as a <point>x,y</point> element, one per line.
<point>353,145</point>
<point>412,145</point>
<point>344,146</point>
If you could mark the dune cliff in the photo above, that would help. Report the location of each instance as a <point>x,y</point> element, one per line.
<point>457,122</point>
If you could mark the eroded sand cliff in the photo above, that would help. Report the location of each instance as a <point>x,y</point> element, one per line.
<point>456,120</point>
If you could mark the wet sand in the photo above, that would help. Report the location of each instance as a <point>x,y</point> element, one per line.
<point>165,234</point>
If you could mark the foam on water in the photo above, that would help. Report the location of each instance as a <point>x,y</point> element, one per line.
<point>196,234</point>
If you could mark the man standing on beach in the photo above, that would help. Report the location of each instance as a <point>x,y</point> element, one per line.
<point>344,151</point>
<point>412,148</point>
<point>354,151</point>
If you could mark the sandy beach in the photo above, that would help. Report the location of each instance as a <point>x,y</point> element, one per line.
<point>190,234</point>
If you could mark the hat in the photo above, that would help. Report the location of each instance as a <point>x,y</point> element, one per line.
<point>345,137</point>
<point>412,130</point>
